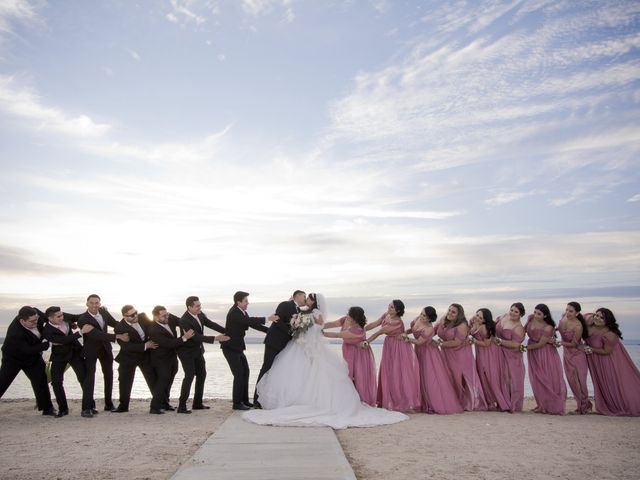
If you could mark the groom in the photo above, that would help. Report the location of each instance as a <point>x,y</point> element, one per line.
<point>279,335</point>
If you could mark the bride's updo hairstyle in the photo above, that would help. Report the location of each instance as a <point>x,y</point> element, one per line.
<point>399,307</point>
<point>313,297</point>
<point>357,314</point>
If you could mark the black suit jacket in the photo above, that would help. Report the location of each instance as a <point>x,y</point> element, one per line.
<point>279,332</point>
<point>133,352</point>
<point>21,347</point>
<point>168,343</point>
<point>193,347</point>
<point>67,344</point>
<point>97,339</point>
<point>236,327</point>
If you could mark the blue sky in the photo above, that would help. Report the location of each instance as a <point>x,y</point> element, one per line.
<point>476,152</point>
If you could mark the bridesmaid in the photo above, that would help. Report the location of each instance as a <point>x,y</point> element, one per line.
<point>544,364</point>
<point>488,359</point>
<point>616,379</point>
<point>438,392</point>
<point>458,357</point>
<point>573,330</point>
<point>362,365</point>
<point>398,378</point>
<point>509,336</point>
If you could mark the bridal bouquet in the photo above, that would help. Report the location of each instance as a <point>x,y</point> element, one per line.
<point>300,323</point>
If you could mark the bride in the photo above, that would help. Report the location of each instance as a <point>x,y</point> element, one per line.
<point>308,384</point>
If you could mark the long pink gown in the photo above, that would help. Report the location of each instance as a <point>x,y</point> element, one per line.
<point>489,366</point>
<point>462,366</point>
<point>575,369</point>
<point>436,387</point>
<point>399,377</point>
<point>362,364</point>
<point>616,379</point>
<point>545,373</point>
<point>513,369</point>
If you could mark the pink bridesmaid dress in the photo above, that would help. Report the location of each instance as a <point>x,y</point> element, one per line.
<point>616,379</point>
<point>489,366</point>
<point>513,369</point>
<point>362,364</point>
<point>399,377</point>
<point>575,369</point>
<point>462,367</point>
<point>438,393</point>
<point>545,374</point>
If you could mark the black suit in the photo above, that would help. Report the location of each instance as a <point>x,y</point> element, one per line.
<point>238,322</point>
<point>164,360</point>
<point>97,346</point>
<point>277,337</point>
<point>66,351</point>
<point>191,356</point>
<point>22,350</point>
<point>132,354</point>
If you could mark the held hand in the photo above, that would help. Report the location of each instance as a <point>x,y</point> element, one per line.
<point>188,334</point>
<point>222,338</point>
<point>86,329</point>
<point>151,345</point>
<point>273,318</point>
<point>123,337</point>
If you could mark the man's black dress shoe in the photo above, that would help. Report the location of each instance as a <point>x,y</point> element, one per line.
<point>248,404</point>
<point>155,411</point>
<point>257,405</point>
<point>201,407</point>
<point>62,413</point>
<point>50,413</point>
<point>169,408</point>
<point>119,410</point>
<point>183,410</point>
<point>108,408</point>
<point>95,412</point>
<point>240,406</point>
<point>86,414</point>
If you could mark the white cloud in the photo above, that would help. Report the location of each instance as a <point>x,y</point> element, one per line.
<point>503,198</point>
<point>21,10</point>
<point>24,104</point>
<point>185,9</point>
<point>133,54</point>
<point>635,198</point>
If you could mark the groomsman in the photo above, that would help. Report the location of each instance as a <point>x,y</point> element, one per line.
<point>192,355</point>
<point>133,354</point>
<point>164,359</point>
<point>22,350</point>
<point>238,322</point>
<point>97,346</point>
<point>66,349</point>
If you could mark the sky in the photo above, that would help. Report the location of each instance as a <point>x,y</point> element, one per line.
<point>479,152</point>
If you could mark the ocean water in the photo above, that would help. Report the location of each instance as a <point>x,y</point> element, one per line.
<point>219,379</point>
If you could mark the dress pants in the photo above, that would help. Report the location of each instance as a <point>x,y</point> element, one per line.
<point>57,378</point>
<point>106,362</point>
<point>270,355</point>
<point>126,375</point>
<point>165,372</point>
<point>240,369</point>
<point>36,375</point>
<point>193,366</point>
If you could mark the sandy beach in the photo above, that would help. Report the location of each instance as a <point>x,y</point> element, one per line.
<point>137,445</point>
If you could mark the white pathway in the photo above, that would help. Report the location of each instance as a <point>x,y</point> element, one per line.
<point>240,450</point>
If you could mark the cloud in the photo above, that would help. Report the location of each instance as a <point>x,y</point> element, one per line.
<point>635,198</point>
<point>185,9</point>
<point>503,198</point>
<point>17,10</point>
<point>24,104</point>
<point>133,54</point>
<point>19,261</point>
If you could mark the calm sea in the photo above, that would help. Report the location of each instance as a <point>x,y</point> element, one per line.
<point>219,379</point>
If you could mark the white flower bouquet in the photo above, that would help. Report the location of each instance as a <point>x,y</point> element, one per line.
<point>300,323</point>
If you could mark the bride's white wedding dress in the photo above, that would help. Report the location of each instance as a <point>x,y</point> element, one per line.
<point>309,385</point>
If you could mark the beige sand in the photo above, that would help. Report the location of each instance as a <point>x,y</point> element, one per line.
<point>493,446</point>
<point>497,446</point>
<point>133,445</point>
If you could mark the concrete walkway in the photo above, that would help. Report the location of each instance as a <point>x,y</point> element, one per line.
<point>240,450</point>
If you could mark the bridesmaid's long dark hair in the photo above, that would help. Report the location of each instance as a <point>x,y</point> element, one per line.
<point>548,319</point>
<point>610,321</point>
<point>460,319</point>
<point>489,323</point>
<point>585,331</point>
